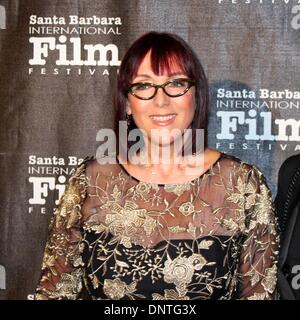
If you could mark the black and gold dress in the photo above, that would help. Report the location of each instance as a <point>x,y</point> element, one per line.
<point>115,237</point>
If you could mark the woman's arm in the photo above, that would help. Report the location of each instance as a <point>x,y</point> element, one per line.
<point>259,254</point>
<point>61,276</point>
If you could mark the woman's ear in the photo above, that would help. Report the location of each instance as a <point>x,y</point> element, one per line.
<point>128,109</point>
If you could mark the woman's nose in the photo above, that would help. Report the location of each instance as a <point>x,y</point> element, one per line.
<point>161,99</point>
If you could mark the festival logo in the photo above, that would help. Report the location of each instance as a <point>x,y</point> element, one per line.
<point>58,46</point>
<point>48,177</point>
<point>256,119</point>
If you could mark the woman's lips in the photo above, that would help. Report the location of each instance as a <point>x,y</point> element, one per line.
<point>163,121</point>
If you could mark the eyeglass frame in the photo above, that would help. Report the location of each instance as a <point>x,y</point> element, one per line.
<point>157,86</point>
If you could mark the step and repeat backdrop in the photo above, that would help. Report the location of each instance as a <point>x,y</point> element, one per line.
<point>58,65</point>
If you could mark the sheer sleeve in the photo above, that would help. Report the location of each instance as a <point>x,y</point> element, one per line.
<point>61,276</point>
<point>259,254</point>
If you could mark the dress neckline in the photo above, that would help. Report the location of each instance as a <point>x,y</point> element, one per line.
<point>172,183</point>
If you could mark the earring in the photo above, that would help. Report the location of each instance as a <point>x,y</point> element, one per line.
<point>128,119</point>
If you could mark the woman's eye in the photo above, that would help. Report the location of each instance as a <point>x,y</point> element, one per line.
<point>142,86</point>
<point>178,83</point>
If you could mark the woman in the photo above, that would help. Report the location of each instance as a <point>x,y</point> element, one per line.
<point>153,230</point>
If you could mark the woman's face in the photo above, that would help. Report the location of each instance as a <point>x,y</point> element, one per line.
<point>146,113</point>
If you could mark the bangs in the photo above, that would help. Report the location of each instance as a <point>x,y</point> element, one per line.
<point>167,55</point>
<point>166,62</point>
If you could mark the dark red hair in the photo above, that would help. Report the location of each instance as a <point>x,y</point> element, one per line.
<point>167,50</point>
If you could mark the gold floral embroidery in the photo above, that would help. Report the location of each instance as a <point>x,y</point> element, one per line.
<point>230,224</point>
<point>126,221</point>
<point>62,247</point>
<point>49,262</point>
<point>142,189</point>
<point>205,244</point>
<point>257,296</point>
<point>192,229</point>
<point>238,222</point>
<point>169,295</point>
<point>254,275</point>
<point>269,281</point>
<point>176,229</point>
<point>117,289</point>
<point>114,289</point>
<point>70,285</point>
<point>187,208</point>
<point>246,195</point>
<point>126,241</point>
<point>69,210</point>
<point>263,207</point>
<point>97,228</point>
<point>178,189</point>
<point>149,225</point>
<point>181,269</point>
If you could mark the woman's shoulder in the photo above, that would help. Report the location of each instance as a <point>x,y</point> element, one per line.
<point>237,164</point>
<point>92,166</point>
<point>245,174</point>
<point>82,167</point>
<point>235,168</point>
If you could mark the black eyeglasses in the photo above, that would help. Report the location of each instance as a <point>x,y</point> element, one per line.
<point>173,88</point>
